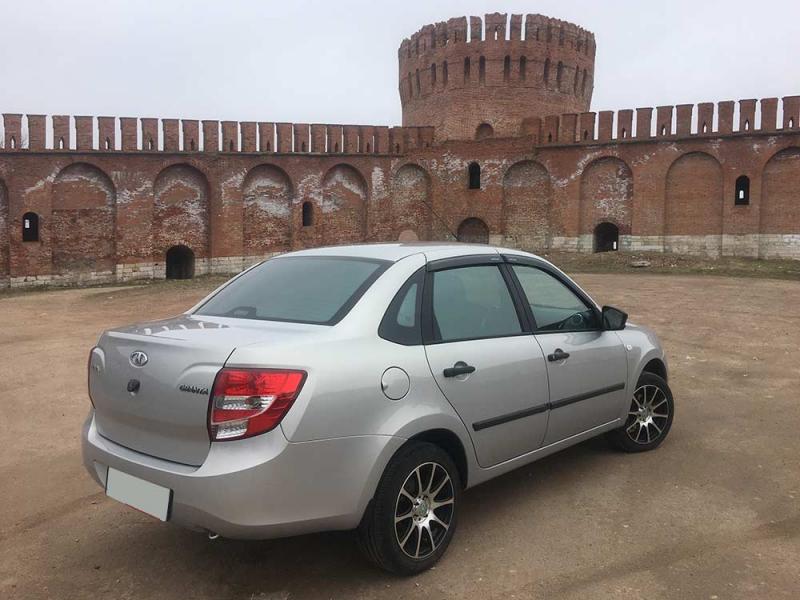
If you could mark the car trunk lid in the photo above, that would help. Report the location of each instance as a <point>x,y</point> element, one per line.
<point>159,405</point>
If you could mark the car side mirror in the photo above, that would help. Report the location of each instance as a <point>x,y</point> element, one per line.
<point>614,319</point>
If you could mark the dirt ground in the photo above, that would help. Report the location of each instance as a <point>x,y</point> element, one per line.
<point>713,514</point>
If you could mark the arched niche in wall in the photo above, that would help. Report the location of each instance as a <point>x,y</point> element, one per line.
<point>780,201</point>
<point>411,202</point>
<point>81,226</point>
<point>527,194</point>
<point>606,195</point>
<point>473,231</point>
<point>342,211</point>
<point>267,219</point>
<point>180,211</point>
<point>693,205</point>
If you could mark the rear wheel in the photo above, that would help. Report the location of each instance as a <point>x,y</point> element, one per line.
<point>412,517</point>
<point>649,416</point>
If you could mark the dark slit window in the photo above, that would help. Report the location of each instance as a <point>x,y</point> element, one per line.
<point>30,227</point>
<point>474,172</point>
<point>308,214</point>
<point>742,191</point>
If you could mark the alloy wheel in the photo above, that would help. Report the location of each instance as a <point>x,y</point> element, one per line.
<point>648,414</point>
<point>424,510</point>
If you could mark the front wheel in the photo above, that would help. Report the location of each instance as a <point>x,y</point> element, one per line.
<point>649,416</point>
<point>412,517</point>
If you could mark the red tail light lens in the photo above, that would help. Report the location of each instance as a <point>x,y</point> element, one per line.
<point>246,402</point>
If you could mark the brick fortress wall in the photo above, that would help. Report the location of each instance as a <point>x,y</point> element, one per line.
<point>113,196</point>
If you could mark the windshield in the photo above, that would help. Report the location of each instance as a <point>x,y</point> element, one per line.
<point>301,289</point>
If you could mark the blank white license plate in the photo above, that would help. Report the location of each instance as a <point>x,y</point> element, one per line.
<point>140,494</point>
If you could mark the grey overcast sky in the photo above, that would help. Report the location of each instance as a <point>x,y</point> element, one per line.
<point>336,61</point>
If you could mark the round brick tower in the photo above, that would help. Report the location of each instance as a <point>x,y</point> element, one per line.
<point>479,82</point>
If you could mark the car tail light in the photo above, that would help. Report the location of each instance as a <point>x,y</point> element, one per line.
<point>246,402</point>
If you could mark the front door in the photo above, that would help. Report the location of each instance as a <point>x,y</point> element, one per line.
<point>490,370</point>
<point>586,366</point>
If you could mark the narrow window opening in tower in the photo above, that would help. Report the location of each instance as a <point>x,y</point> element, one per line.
<point>523,68</point>
<point>308,214</point>
<point>474,175</point>
<point>575,81</point>
<point>13,142</point>
<point>580,44</point>
<point>496,32</point>
<point>303,147</point>
<point>61,143</point>
<point>444,73</point>
<point>663,130</point>
<point>585,134</point>
<point>397,148</point>
<point>742,197</point>
<point>482,69</point>
<point>705,128</point>
<point>547,70</point>
<point>192,146</point>
<point>417,78</point>
<point>561,36</point>
<point>410,86</point>
<point>624,133</point>
<point>368,150</point>
<point>747,124</point>
<point>791,123</point>
<point>108,144</point>
<point>336,147</point>
<point>583,83</point>
<point>549,33</point>
<point>559,75</point>
<point>433,74</point>
<point>506,68</point>
<point>466,69</point>
<point>269,146</point>
<point>549,138</point>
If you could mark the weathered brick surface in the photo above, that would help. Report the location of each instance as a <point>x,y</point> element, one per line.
<point>551,171</point>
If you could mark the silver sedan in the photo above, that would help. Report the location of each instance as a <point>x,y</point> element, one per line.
<point>365,387</point>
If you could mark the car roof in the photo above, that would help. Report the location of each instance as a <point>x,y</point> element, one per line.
<point>394,251</point>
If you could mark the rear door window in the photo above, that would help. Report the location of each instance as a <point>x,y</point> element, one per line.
<point>301,289</point>
<point>472,303</point>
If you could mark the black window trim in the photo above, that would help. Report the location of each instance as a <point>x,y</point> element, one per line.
<point>543,266</point>
<point>430,335</point>
<point>417,277</point>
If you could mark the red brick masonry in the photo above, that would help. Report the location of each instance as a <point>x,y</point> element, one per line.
<point>113,195</point>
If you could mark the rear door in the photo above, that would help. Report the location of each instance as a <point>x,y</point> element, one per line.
<point>586,366</point>
<point>490,370</point>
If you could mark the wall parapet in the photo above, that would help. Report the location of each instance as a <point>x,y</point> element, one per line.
<point>706,119</point>
<point>64,133</point>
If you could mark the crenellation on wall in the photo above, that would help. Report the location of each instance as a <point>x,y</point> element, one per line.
<point>249,139</point>
<point>747,115</point>
<point>725,110</point>
<point>130,137</point>
<point>769,114</point>
<point>191,135</point>
<point>62,132</point>
<point>791,112</point>
<point>149,132</point>
<point>84,133</point>
<point>171,135</point>
<point>37,132</point>
<point>210,135</point>
<point>12,124</point>
<point>107,133</point>
<point>664,120</point>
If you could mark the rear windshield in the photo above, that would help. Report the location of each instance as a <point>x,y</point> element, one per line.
<point>299,289</point>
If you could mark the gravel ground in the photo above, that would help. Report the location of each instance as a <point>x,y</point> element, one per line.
<point>714,513</point>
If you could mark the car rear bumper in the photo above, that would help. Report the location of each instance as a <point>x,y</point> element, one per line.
<point>258,488</point>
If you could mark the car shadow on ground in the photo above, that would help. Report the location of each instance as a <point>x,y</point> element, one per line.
<point>326,564</point>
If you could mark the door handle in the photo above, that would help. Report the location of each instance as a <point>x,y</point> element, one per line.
<point>559,354</point>
<point>460,368</point>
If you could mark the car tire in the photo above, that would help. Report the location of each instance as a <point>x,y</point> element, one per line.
<point>412,517</point>
<point>649,418</point>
